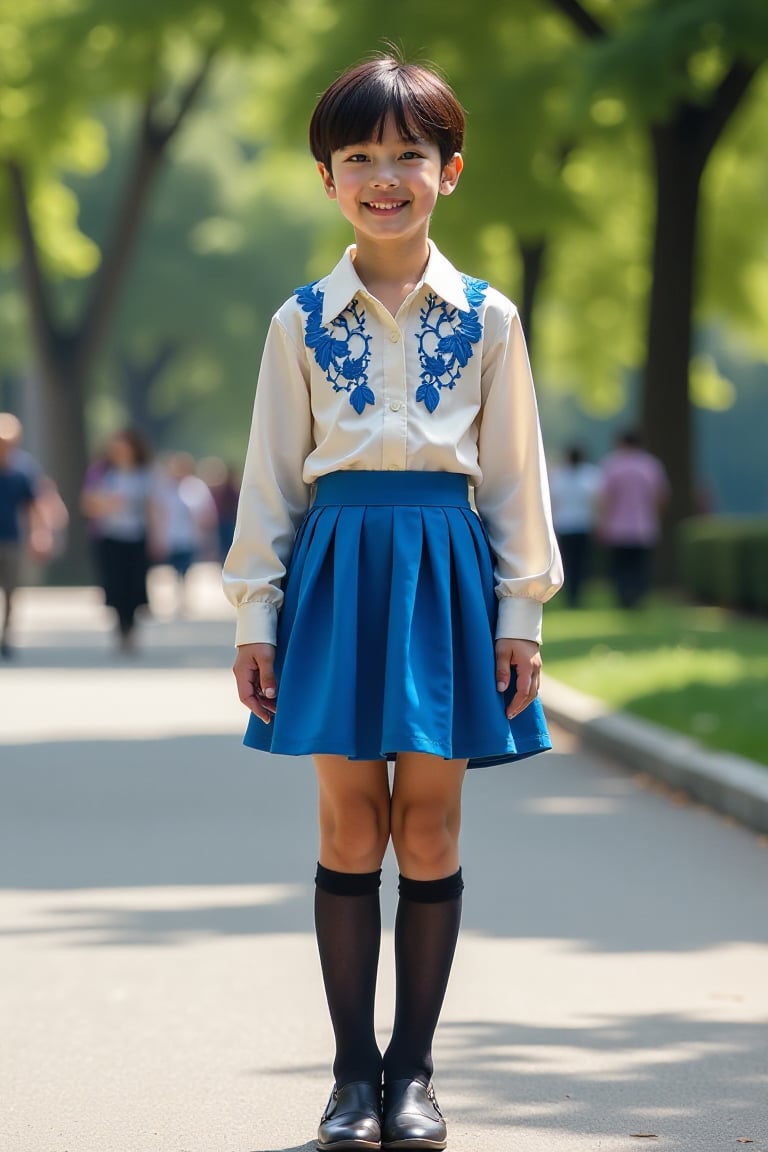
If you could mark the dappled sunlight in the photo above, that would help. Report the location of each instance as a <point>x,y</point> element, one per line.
<point>573,805</point>
<point>154,916</point>
<point>684,1081</point>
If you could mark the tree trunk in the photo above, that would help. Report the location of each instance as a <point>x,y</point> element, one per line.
<point>666,414</point>
<point>64,360</point>
<point>532,254</point>
<point>138,379</point>
<point>66,456</point>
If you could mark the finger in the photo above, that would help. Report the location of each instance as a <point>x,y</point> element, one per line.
<point>517,704</point>
<point>265,703</point>
<point>247,684</point>
<point>502,669</point>
<point>262,710</point>
<point>267,682</point>
<point>521,697</point>
<point>248,691</point>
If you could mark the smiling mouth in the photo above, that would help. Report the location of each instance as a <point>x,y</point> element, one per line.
<point>385,205</point>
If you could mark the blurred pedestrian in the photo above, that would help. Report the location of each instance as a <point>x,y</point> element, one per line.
<point>46,533</point>
<point>574,487</point>
<point>12,432</point>
<point>378,616</point>
<point>120,499</point>
<point>224,485</point>
<point>633,491</point>
<point>187,519</point>
<point>21,518</point>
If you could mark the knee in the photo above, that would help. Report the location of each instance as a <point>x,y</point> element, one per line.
<point>425,838</point>
<point>354,835</point>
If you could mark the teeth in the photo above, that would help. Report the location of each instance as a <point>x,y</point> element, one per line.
<point>387,205</point>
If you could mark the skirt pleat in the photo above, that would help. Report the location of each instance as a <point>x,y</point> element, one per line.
<point>386,635</point>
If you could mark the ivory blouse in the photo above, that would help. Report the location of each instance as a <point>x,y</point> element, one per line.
<point>444,386</point>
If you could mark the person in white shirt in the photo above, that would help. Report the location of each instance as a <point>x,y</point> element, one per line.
<point>119,500</point>
<point>187,519</point>
<point>574,487</point>
<point>379,616</point>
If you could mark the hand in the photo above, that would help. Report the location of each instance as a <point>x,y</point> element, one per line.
<point>156,550</point>
<point>523,655</point>
<point>40,544</point>
<point>255,676</point>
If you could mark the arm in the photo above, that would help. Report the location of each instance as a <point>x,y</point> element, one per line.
<point>273,501</point>
<point>513,502</point>
<point>39,534</point>
<point>96,502</point>
<point>273,496</point>
<point>513,499</point>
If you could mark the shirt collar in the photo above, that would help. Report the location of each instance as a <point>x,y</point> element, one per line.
<point>343,283</point>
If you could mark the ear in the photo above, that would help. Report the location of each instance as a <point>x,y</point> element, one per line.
<point>451,173</point>
<point>327,178</point>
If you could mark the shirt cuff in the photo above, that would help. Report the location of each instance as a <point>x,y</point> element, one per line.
<point>519,618</point>
<point>256,623</point>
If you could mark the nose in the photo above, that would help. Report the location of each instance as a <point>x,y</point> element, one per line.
<point>384,175</point>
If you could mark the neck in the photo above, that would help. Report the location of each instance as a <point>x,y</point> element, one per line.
<point>396,264</point>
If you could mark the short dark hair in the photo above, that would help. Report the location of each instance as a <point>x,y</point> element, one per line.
<point>575,455</point>
<point>353,109</point>
<point>137,442</point>
<point>631,438</point>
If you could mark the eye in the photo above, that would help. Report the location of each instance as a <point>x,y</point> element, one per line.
<point>412,155</point>
<point>356,158</point>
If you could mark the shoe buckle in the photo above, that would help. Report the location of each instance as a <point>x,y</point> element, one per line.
<point>333,1099</point>
<point>433,1100</point>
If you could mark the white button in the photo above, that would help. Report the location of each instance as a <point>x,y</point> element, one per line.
<point>395,405</point>
<point>394,337</point>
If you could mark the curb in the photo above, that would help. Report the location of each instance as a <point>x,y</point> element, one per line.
<point>728,783</point>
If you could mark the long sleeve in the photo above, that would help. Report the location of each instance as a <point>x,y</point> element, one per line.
<point>274,496</point>
<point>513,497</point>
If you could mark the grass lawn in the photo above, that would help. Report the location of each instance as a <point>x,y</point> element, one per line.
<point>701,671</point>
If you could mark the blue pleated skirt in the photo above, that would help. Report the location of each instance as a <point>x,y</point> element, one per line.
<point>385,640</point>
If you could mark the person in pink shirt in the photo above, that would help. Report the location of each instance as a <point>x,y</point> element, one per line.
<point>633,491</point>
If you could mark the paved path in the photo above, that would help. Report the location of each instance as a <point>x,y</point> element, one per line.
<point>159,989</point>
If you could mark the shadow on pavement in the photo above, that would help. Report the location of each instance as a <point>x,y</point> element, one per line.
<point>547,852</point>
<point>671,1076</point>
<point>648,1074</point>
<point>310,1147</point>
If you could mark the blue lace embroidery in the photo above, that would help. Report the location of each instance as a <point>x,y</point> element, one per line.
<point>445,341</point>
<point>342,349</point>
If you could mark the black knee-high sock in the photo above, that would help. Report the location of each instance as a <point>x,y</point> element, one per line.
<point>348,927</point>
<point>426,931</point>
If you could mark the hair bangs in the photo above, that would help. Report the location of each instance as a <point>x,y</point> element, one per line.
<point>356,106</point>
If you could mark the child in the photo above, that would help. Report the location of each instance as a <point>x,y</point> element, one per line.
<point>369,592</point>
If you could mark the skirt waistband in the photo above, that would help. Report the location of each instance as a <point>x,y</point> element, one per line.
<point>416,488</point>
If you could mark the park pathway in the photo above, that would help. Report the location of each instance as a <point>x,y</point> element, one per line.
<point>159,988</point>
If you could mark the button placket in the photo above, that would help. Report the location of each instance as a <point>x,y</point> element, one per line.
<point>395,414</point>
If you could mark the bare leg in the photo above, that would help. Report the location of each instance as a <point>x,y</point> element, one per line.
<point>426,815</point>
<point>353,812</point>
<point>7,610</point>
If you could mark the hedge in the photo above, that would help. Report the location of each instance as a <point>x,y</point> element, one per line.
<point>724,560</point>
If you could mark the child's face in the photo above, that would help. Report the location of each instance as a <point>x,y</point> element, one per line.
<point>387,189</point>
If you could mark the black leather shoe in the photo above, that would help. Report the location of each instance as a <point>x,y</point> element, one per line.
<point>412,1118</point>
<point>352,1118</point>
